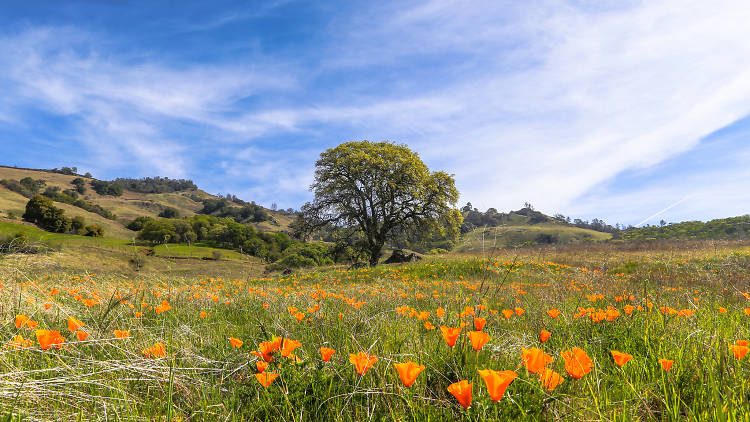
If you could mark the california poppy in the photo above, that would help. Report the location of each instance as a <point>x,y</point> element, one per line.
<point>163,307</point>
<point>577,362</point>
<point>49,338</point>
<point>535,359</point>
<point>479,323</point>
<point>462,392</point>
<point>478,339</point>
<point>299,316</point>
<point>450,334</point>
<point>428,325</point>
<point>21,320</point>
<point>544,335</point>
<point>121,334</point>
<point>362,362</point>
<point>440,312</point>
<point>739,351</point>
<point>550,379</point>
<point>408,372</point>
<point>289,346</point>
<point>553,313</point>
<point>74,324</point>
<point>235,342</point>
<point>82,335</point>
<point>158,350</point>
<point>620,357</point>
<point>266,378</point>
<point>497,382</point>
<point>507,313</point>
<point>666,364</point>
<point>261,365</point>
<point>326,353</point>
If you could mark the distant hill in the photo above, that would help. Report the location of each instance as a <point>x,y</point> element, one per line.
<point>722,228</point>
<point>137,199</point>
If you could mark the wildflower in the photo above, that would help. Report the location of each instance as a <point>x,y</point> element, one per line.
<point>266,378</point>
<point>507,313</point>
<point>236,343</point>
<point>550,379</point>
<point>666,364</point>
<point>462,392</point>
<point>326,353</point>
<point>544,335</point>
<point>267,348</point>
<point>440,312</point>
<point>158,350</point>
<point>289,346</point>
<point>18,343</point>
<point>519,311</point>
<point>577,362</point>
<point>121,334</point>
<point>535,359</point>
<point>203,314</point>
<point>49,338</point>
<point>138,314</point>
<point>479,323</point>
<point>408,372</point>
<point>299,316</point>
<point>739,351</point>
<point>82,335</point>
<point>292,310</point>
<point>163,307</point>
<point>628,309</point>
<point>553,313</point>
<point>74,324</point>
<point>497,382</point>
<point>362,362</point>
<point>261,365</point>
<point>428,325</point>
<point>478,339</point>
<point>722,310</point>
<point>742,343</point>
<point>21,320</point>
<point>620,357</point>
<point>450,334</point>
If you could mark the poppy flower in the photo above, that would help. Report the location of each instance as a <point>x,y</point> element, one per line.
<point>535,359</point>
<point>577,362</point>
<point>478,339</point>
<point>479,323</point>
<point>267,348</point>
<point>158,350</point>
<point>21,320</point>
<point>519,311</point>
<point>32,324</point>
<point>497,382</point>
<point>326,353</point>
<point>450,334</point>
<point>299,316</point>
<point>628,309</point>
<point>261,365</point>
<point>49,338</point>
<point>462,392</point>
<point>550,379</point>
<point>440,312</point>
<point>203,314</point>
<point>553,313</point>
<point>82,335</point>
<point>236,343</point>
<point>362,362</point>
<point>289,346</point>
<point>544,335</point>
<point>666,364</point>
<point>47,305</point>
<point>620,357</point>
<point>408,372</point>
<point>507,313</point>
<point>266,378</point>
<point>742,343</point>
<point>138,314</point>
<point>121,334</point>
<point>428,325</point>
<point>722,310</point>
<point>74,324</point>
<point>292,310</point>
<point>739,351</point>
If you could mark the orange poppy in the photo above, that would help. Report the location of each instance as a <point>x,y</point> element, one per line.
<point>739,351</point>
<point>742,343</point>
<point>49,338</point>
<point>440,312</point>
<point>267,348</point>
<point>158,350</point>
<point>289,346</point>
<point>292,310</point>
<point>497,382</point>
<point>666,364</point>
<point>519,311</point>
<point>408,372</point>
<point>544,335</point>
<point>553,313</point>
<point>450,334</point>
<point>620,357</point>
<point>577,362</point>
<point>266,378</point>
<point>550,379</point>
<point>121,334</point>
<point>299,316</point>
<point>428,325</point>
<point>507,313</point>
<point>261,365</point>
<point>21,320</point>
<point>326,353</point>
<point>479,323</point>
<point>74,324</point>
<point>18,342</point>
<point>203,314</point>
<point>462,392</point>
<point>82,335</point>
<point>163,307</point>
<point>236,343</point>
<point>535,359</point>
<point>478,339</point>
<point>362,362</point>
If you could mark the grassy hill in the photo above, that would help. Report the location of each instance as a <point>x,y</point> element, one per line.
<point>521,234</point>
<point>722,228</point>
<point>126,207</point>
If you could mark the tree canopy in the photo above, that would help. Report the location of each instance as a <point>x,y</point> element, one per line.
<point>379,191</point>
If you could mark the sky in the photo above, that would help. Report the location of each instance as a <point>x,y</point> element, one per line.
<point>628,111</point>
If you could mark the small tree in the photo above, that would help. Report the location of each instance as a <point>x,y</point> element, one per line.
<point>157,231</point>
<point>379,190</point>
<point>41,211</point>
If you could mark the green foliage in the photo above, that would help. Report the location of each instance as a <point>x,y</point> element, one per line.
<point>137,224</point>
<point>156,184</point>
<point>15,186</point>
<point>20,243</point>
<point>723,228</point>
<point>41,211</point>
<point>301,255</point>
<point>222,207</point>
<point>157,231</point>
<point>381,190</point>
<point>106,188</point>
<point>80,184</point>
<point>169,212</point>
<point>70,197</point>
<point>78,225</point>
<point>94,230</point>
<point>34,186</point>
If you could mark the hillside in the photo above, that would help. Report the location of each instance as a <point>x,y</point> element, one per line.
<point>126,207</point>
<point>526,235</point>
<point>722,228</point>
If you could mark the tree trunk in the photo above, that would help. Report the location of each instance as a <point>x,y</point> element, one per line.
<point>375,251</point>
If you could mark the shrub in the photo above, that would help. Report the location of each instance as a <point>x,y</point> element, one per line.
<point>94,230</point>
<point>157,231</point>
<point>78,225</point>
<point>80,185</point>
<point>41,211</point>
<point>169,212</point>
<point>106,188</point>
<point>138,223</point>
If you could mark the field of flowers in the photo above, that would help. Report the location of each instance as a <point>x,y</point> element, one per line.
<point>458,338</point>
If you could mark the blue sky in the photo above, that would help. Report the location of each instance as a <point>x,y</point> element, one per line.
<point>628,111</point>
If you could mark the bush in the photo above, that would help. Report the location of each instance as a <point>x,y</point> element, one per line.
<point>138,223</point>
<point>158,231</point>
<point>14,186</point>
<point>94,230</point>
<point>19,243</point>
<point>78,225</point>
<point>80,185</point>
<point>302,255</point>
<point>169,212</point>
<point>41,211</point>
<point>106,188</point>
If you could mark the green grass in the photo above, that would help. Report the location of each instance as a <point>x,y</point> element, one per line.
<point>491,238</point>
<point>203,377</point>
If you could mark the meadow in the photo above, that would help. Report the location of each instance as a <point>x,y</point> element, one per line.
<point>653,331</point>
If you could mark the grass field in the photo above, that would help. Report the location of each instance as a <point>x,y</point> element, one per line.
<point>494,238</point>
<point>687,303</point>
